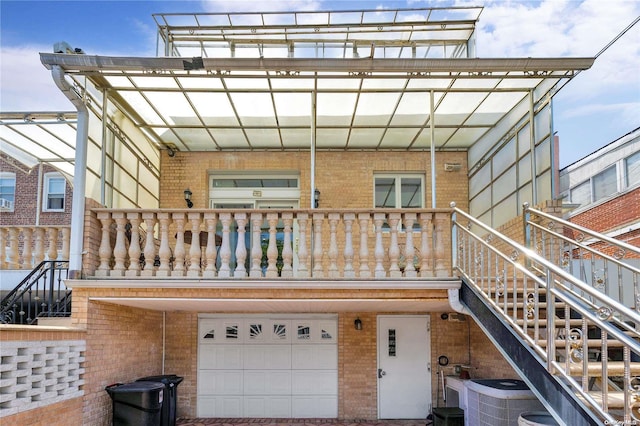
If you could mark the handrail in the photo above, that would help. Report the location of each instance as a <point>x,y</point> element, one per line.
<point>34,296</point>
<point>491,272</point>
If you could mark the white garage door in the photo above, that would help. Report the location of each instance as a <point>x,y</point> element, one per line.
<point>268,367</point>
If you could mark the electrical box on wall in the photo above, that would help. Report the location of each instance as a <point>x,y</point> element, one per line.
<point>457,317</point>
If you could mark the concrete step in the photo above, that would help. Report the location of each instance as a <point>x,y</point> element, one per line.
<point>55,321</point>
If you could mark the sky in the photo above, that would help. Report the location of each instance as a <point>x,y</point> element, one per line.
<point>597,107</point>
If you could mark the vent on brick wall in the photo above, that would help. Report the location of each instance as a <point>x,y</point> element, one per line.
<point>457,317</point>
<point>6,204</point>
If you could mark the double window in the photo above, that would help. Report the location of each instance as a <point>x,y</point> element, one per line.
<point>398,190</point>
<point>54,192</point>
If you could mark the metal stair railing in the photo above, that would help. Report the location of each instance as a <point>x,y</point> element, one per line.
<point>41,293</point>
<point>572,328</point>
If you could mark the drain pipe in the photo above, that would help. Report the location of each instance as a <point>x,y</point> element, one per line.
<point>454,301</point>
<point>79,172</point>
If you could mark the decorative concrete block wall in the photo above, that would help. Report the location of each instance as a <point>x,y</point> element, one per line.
<point>35,374</point>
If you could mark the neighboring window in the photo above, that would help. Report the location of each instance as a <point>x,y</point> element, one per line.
<point>605,183</point>
<point>581,194</point>
<point>7,191</point>
<point>398,191</point>
<point>54,190</point>
<point>632,169</point>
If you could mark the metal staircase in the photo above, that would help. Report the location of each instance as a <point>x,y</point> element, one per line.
<point>41,294</point>
<point>574,340</point>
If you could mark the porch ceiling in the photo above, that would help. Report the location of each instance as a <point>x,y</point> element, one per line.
<point>213,104</point>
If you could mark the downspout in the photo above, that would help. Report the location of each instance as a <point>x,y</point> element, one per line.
<point>79,173</point>
<point>39,195</point>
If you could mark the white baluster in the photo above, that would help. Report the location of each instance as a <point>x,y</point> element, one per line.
<point>409,248</point>
<point>179,253</point>
<point>426,243</point>
<point>440,225</point>
<point>272,248</point>
<point>378,220</point>
<point>349,272</point>
<point>134,245</point>
<point>164,252</point>
<point>225,248</point>
<point>287,250</point>
<point>104,252</point>
<point>303,252</point>
<point>318,271</point>
<point>27,258</point>
<point>241,247</point>
<point>363,219</point>
<point>195,252</point>
<point>66,242</point>
<point>120,248</point>
<point>39,248</point>
<point>13,253</point>
<point>334,218</point>
<point>149,245</point>
<point>394,249</point>
<point>256,245</point>
<point>211,252</point>
<point>52,252</point>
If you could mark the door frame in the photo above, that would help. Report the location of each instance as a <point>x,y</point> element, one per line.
<point>427,356</point>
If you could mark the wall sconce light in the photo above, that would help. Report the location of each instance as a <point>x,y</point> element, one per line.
<point>357,324</point>
<point>316,198</point>
<point>187,197</point>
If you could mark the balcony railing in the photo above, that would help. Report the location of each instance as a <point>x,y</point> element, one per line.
<point>343,244</point>
<point>25,247</point>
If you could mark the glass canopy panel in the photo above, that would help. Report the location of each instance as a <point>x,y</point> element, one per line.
<point>413,109</point>
<point>66,133</point>
<point>116,81</point>
<point>255,109</point>
<point>26,144</point>
<point>456,107</point>
<point>335,108</point>
<point>214,108</point>
<point>331,138</point>
<point>519,83</point>
<point>365,138</point>
<point>230,138</point>
<point>398,138</point>
<point>142,107</point>
<point>200,83</point>
<point>293,108</point>
<point>338,83</point>
<point>194,139</point>
<point>55,146</point>
<point>260,83</point>
<point>442,135</point>
<point>174,107</point>
<point>466,136</point>
<point>263,138</point>
<point>429,84</point>
<point>494,107</point>
<point>296,138</point>
<point>383,83</point>
<point>289,84</point>
<point>155,82</point>
<point>375,108</point>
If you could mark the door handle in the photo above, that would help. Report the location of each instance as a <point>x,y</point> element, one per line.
<point>381,373</point>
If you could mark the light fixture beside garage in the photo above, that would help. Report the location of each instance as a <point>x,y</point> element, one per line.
<point>187,197</point>
<point>357,324</point>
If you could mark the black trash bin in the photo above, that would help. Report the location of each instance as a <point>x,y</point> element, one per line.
<point>136,403</point>
<point>169,407</point>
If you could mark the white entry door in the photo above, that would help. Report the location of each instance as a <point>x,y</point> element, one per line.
<point>404,370</point>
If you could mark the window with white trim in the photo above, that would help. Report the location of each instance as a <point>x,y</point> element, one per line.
<point>7,191</point>
<point>54,192</point>
<point>632,169</point>
<point>605,183</point>
<point>398,190</point>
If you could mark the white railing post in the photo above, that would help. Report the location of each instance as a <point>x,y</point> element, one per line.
<point>164,270</point>
<point>349,272</point>
<point>394,249</point>
<point>211,253</point>
<point>120,248</point>
<point>148,269</point>
<point>378,220</point>
<point>52,253</point>
<point>426,242</point>
<point>440,252</point>
<point>13,249</point>
<point>303,252</point>
<point>27,258</point>
<point>363,219</point>
<point>272,248</point>
<point>104,252</point>
<point>66,242</point>
<point>241,247</point>
<point>225,248</point>
<point>287,250</point>
<point>39,246</point>
<point>179,252</point>
<point>3,248</point>
<point>256,246</point>
<point>134,245</point>
<point>195,252</point>
<point>334,218</point>
<point>409,249</point>
<point>318,270</point>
